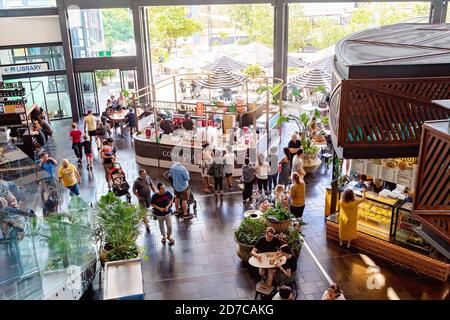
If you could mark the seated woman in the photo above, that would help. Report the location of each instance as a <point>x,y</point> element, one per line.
<point>285,293</point>
<point>285,274</point>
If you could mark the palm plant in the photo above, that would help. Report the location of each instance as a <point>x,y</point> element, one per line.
<point>273,90</point>
<point>118,227</point>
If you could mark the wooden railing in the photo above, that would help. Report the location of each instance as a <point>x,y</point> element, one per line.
<point>386,113</point>
<point>432,192</point>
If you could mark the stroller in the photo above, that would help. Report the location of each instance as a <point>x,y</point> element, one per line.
<point>119,183</point>
<point>191,200</point>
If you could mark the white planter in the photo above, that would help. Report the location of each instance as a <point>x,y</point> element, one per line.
<point>123,280</point>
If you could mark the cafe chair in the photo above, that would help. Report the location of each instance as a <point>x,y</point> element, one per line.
<point>263,291</point>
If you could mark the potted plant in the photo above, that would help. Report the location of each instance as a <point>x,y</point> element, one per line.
<point>309,134</point>
<point>325,121</point>
<point>247,234</point>
<point>279,218</point>
<point>292,238</point>
<point>117,228</point>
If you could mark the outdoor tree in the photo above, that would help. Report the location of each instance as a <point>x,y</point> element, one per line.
<point>167,24</point>
<point>117,26</point>
<point>223,35</point>
<point>328,32</point>
<point>299,28</point>
<point>256,20</point>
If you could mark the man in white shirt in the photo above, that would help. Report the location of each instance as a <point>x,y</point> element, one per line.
<point>297,163</point>
<point>229,158</point>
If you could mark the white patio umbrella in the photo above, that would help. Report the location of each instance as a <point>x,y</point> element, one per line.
<point>312,79</point>
<point>224,63</point>
<point>221,79</point>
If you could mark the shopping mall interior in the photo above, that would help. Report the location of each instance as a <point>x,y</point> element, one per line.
<point>224,150</point>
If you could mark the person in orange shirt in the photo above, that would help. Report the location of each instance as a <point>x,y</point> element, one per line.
<point>348,216</point>
<point>297,195</point>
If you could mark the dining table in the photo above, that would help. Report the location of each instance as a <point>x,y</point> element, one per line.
<point>265,262</point>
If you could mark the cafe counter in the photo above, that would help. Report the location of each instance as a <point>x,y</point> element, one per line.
<point>151,153</point>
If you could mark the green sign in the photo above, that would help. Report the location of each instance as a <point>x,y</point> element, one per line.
<point>104,53</point>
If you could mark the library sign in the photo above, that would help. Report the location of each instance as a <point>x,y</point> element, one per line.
<point>6,70</point>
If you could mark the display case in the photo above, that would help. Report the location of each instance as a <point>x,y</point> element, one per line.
<point>403,229</point>
<point>375,215</point>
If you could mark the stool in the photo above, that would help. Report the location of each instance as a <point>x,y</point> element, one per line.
<point>263,290</point>
<point>326,156</point>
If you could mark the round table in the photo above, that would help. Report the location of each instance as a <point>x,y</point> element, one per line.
<point>266,256</point>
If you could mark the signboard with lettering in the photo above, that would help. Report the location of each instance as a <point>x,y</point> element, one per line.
<point>23,68</point>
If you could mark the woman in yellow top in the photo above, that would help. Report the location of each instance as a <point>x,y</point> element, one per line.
<point>297,195</point>
<point>348,216</point>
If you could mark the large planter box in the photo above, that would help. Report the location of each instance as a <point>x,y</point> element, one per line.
<point>123,280</point>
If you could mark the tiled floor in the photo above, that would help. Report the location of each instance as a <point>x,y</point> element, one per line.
<point>203,263</point>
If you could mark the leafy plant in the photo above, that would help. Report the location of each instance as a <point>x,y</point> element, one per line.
<point>325,120</point>
<point>254,70</point>
<point>278,213</point>
<point>102,75</point>
<point>307,127</point>
<point>118,226</point>
<point>250,230</point>
<point>320,89</point>
<point>295,92</point>
<point>273,90</point>
<point>292,238</point>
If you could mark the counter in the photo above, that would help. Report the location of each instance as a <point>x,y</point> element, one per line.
<point>150,153</point>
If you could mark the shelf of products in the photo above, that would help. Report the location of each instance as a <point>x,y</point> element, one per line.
<point>14,124</point>
<point>403,232</point>
<point>399,170</point>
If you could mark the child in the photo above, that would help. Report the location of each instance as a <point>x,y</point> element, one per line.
<point>87,145</point>
<point>280,197</point>
<point>75,136</point>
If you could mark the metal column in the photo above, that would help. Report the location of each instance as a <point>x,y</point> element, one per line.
<point>138,25</point>
<point>68,58</point>
<point>438,11</point>
<point>280,41</point>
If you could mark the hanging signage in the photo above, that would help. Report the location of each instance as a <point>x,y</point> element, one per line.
<point>6,70</point>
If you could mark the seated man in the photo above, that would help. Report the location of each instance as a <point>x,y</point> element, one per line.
<point>268,243</point>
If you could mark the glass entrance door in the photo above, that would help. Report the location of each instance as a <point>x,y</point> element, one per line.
<point>88,92</point>
<point>128,80</point>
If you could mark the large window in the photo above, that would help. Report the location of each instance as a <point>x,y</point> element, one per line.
<point>319,26</point>
<point>14,4</point>
<point>186,38</point>
<point>101,32</point>
<point>54,55</point>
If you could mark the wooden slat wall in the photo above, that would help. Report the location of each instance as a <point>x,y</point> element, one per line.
<point>432,193</point>
<point>386,112</point>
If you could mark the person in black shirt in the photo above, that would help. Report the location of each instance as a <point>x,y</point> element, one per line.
<point>293,145</point>
<point>162,208</point>
<point>130,119</point>
<point>166,126</point>
<point>286,273</point>
<point>188,124</point>
<point>268,243</point>
<point>35,113</point>
<point>87,146</point>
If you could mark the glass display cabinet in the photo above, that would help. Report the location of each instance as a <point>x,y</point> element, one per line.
<point>403,232</point>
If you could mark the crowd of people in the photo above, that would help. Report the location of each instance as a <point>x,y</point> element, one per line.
<point>285,181</point>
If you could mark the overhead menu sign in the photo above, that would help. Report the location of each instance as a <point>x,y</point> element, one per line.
<point>23,68</point>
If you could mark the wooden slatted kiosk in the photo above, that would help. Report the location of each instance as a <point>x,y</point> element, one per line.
<point>385,85</point>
